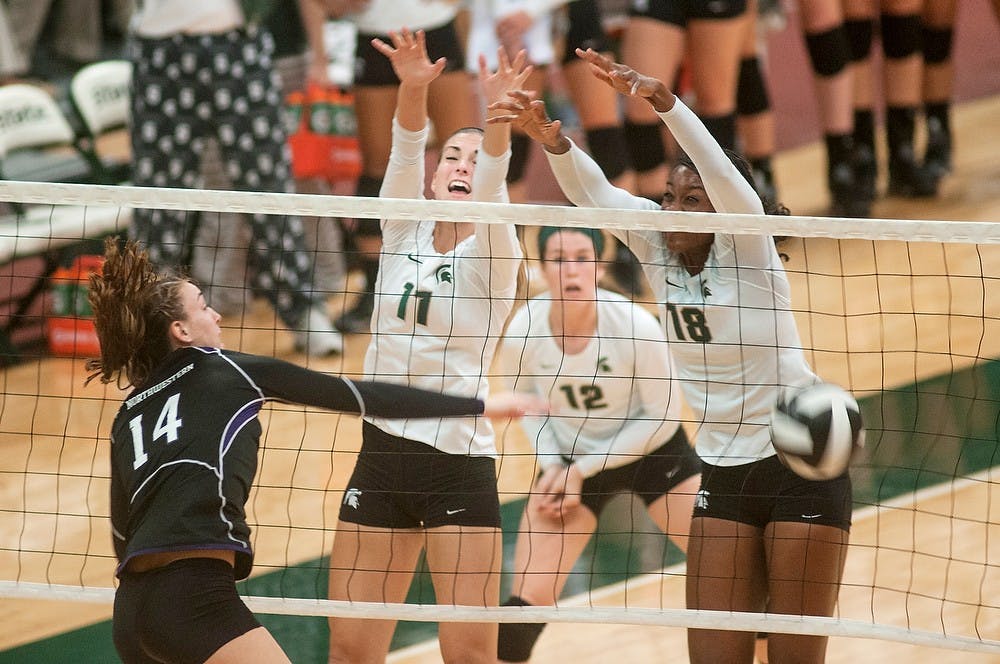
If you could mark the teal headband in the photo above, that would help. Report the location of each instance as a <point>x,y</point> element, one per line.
<point>596,236</point>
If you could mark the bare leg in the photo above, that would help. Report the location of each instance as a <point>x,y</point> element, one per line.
<point>465,569</point>
<point>754,118</point>
<point>369,565</point>
<point>726,572</point>
<point>257,645</point>
<point>805,563</point>
<point>672,513</point>
<point>661,62</point>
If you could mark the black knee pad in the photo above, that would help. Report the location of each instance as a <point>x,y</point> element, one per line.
<point>829,51</point>
<point>859,37</point>
<point>751,93</point>
<point>723,128</point>
<point>517,640</point>
<point>609,149</point>
<point>645,145</point>
<point>936,44</point>
<point>900,35</point>
<point>520,148</point>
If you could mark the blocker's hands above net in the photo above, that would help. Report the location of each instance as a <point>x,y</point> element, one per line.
<point>523,110</point>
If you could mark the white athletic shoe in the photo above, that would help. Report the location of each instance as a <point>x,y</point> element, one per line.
<point>319,339</point>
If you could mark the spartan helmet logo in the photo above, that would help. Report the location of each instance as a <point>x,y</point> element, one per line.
<point>443,274</point>
<point>603,364</point>
<point>351,498</point>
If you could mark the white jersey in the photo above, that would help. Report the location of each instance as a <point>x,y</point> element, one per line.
<point>731,329</point>
<point>438,317</point>
<point>381,16</point>
<point>162,18</point>
<point>612,402</point>
<point>482,38</point>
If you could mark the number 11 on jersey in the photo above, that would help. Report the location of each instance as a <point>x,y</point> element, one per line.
<point>423,303</point>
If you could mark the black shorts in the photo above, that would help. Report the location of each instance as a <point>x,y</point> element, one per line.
<point>584,29</point>
<point>400,483</point>
<point>679,12</point>
<point>650,477</point>
<point>764,491</point>
<point>371,68</point>
<point>182,612</point>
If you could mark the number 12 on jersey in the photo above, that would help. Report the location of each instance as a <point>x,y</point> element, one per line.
<point>423,303</point>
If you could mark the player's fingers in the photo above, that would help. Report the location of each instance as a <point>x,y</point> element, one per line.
<point>519,60</point>
<point>382,47</point>
<point>501,119</point>
<point>502,60</point>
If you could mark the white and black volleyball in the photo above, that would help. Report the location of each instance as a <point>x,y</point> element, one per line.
<point>816,430</point>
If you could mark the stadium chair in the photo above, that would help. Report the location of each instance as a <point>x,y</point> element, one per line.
<point>99,94</point>
<point>37,143</point>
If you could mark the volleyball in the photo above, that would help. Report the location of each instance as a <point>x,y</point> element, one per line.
<point>817,430</point>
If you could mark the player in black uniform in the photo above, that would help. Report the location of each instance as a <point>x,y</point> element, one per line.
<point>184,456</point>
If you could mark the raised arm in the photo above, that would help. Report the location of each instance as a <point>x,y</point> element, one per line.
<point>726,187</point>
<point>490,179</point>
<point>404,175</point>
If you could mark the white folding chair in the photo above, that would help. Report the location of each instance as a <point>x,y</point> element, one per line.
<point>31,125</point>
<point>100,94</point>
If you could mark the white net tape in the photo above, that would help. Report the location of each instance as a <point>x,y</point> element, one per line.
<point>498,213</point>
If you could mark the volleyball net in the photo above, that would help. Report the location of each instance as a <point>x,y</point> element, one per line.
<point>905,314</point>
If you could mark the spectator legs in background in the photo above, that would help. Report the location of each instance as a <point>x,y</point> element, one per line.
<point>937,32</point>
<point>174,109</point>
<point>900,31</point>
<point>219,254</point>
<point>754,119</point>
<point>828,41</point>
<point>13,63</point>
<point>77,30</point>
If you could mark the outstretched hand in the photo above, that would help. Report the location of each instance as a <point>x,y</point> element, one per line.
<point>628,81</point>
<point>514,405</point>
<point>508,76</point>
<point>522,110</point>
<point>408,55</point>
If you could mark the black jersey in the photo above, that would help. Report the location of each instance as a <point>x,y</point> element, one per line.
<point>184,445</point>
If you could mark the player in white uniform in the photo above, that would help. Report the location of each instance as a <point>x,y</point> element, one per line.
<point>614,423</point>
<point>443,294</point>
<point>726,311</point>
<point>450,105</point>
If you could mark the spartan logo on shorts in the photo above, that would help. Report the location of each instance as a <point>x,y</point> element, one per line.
<point>701,500</point>
<point>351,498</point>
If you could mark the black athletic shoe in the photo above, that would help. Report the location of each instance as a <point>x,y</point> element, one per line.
<point>909,179</point>
<point>357,319</point>
<point>847,198</point>
<point>937,158</point>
